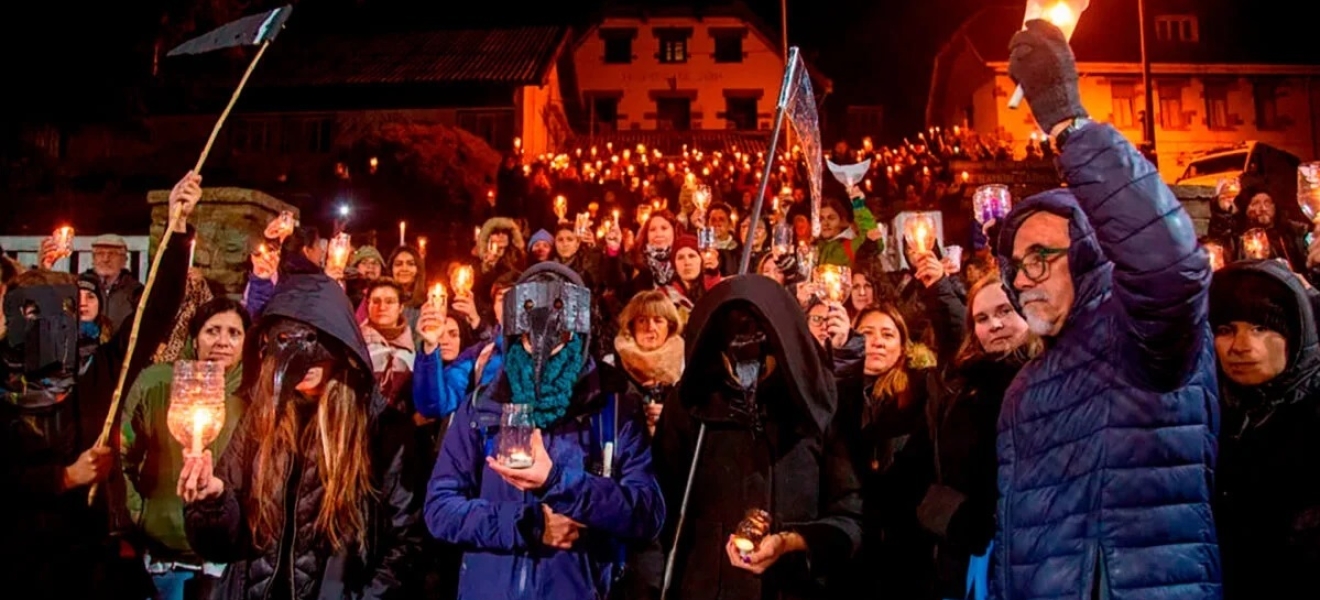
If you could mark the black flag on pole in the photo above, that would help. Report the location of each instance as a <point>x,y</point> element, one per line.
<point>251,30</point>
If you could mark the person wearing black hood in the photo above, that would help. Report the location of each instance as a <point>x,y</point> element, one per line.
<point>1267,502</point>
<point>314,495</point>
<point>52,543</point>
<point>754,429</point>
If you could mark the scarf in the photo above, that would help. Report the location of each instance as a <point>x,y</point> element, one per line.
<point>662,366</point>
<point>662,268</point>
<point>558,378</point>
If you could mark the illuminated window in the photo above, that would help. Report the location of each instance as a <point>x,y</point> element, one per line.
<point>1124,96</point>
<point>673,45</point>
<point>1177,28</point>
<point>1216,106</point>
<point>1171,106</point>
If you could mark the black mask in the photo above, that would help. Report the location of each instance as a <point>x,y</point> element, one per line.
<point>43,331</point>
<point>746,352</point>
<point>295,347</point>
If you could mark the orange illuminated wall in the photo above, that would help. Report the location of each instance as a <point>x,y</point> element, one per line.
<point>646,81</point>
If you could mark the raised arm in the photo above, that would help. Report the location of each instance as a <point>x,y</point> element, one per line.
<point>1161,277</point>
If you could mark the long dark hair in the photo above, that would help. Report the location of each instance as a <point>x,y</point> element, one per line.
<point>336,438</point>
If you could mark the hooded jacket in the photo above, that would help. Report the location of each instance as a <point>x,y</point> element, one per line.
<point>1106,441</point>
<point>1267,505</point>
<point>796,467</point>
<point>153,459</point>
<point>499,528</point>
<point>218,529</point>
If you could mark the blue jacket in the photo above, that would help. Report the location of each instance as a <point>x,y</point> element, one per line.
<point>439,389</point>
<point>499,528</point>
<point>1107,441</point>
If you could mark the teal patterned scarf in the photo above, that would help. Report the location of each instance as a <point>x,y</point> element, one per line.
<point>559,376</point>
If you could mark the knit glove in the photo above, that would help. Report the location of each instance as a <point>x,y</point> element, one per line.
<point>1041,62</point>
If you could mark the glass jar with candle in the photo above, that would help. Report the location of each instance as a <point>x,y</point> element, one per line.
<point>438,298</point>
<point>1227,190</point>
<point>754,527</point>
<point>561,207</point>
<point>197,404</point>
<point>919,233</point>
<point>462,282</point>
<point>1308,189</point>
<point>1215,252</point>
<point>339,249</point>
<point>582,224</point>
<point>513,444</point>
<point>63,239</point>
<point>783,239</point>
<point>1256,244</point>
<point>991,202</point>
<point>835,282</point>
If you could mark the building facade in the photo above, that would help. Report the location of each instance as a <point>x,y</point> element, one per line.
<point>1206,96</point>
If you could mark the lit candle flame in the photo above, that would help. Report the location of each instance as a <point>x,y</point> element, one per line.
<point>462,280</point>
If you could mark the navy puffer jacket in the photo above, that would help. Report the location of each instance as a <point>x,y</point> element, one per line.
<point>1107,441</point>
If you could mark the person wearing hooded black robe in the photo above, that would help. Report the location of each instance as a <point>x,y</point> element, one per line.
<point>302,562</point>
<point>774,447</point>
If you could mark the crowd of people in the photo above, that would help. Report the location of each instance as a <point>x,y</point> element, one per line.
<point>1087,404</point>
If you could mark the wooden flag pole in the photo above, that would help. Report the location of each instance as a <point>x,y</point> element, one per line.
<point>110,419</point>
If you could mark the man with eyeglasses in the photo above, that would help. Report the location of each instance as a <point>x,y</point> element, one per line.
<point>1106,441</point>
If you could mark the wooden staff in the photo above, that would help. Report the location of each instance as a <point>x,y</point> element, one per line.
<point>110,419</point>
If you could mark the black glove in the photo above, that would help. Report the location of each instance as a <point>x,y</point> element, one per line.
<point>787,264</point>
<point>1041,62</point>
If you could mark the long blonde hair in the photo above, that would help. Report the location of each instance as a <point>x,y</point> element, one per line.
<point>971,349</point>
<point>337,439</point>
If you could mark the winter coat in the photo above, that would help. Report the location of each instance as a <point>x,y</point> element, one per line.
<point>499,528</point>
<point>790,460</point>
<point>153,459</point>
<point>1107,440</point>
<point>1267,502</point>
<point>51,542</point>
<point>218,529</point>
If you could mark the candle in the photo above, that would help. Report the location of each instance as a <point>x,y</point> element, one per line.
<point>63,238</point>
<point>518,460</point>
<point>1216,253</point>
<point>338,257</point>
<point>1256,244</point>
<point>561,207</point>
<point>1308,189</point>
<point>476,233</point>
<point>421,245</point>
<point>403,228</point>
<point>920,231</point>
<point>200,421</point>
<point>462,282</point>
<point>437,296</point>
<point>965,176</point>
<point>751,530</point>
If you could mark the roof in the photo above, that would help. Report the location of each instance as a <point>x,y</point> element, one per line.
<point>670,143</point>
<point>509,56</point>
<point>1101,38</point>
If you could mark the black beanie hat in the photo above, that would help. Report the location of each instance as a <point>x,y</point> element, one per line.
<point>1257,298</point>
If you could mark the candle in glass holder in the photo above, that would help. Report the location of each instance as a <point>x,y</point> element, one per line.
<point>1228,188</point>
<point>1256,244</point>
<point>582,224</point>
<point>701,198</point>
<point>920,233</point>
<point>514,441</point>
<point>1215,251</point>
<point>991,202</point>
<point>437,297</point>
<point>644,213</point>
<point>561,207</point>
<point>782,242</point>
<point>63,238</point>
<point>337,258</point>
<point>1308,189</point>
<point>197,403</point>
<point>835,282</point>
<point>462,282</point>
<point>754,527</point>
<point>706,238</point>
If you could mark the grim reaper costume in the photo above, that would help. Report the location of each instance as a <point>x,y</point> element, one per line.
<point>594,434</point>
<point>757,415</point>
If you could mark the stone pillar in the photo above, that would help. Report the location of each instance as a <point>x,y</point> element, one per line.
<point>230,222</point>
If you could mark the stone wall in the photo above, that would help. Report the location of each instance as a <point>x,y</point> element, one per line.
<point>1196,201</point>
<point>230,223</point>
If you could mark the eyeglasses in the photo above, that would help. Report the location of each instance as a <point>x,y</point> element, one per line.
<point>1036,264</point>
<point>816,319</point>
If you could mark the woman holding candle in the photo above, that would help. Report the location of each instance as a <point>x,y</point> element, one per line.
<point>314,495</point>
<point>500,249</point>
<point>408,269</point>
<point>153,459</point>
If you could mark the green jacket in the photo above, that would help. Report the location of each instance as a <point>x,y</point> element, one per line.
<point>152,458</point>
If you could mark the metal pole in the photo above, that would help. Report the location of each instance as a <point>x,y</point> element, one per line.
<point>745,264</point>
<point>1148,124</point>
<point>783,32</point>
<point>682,514</point>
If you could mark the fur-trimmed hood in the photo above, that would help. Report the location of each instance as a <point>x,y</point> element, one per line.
<point>495,224</point>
